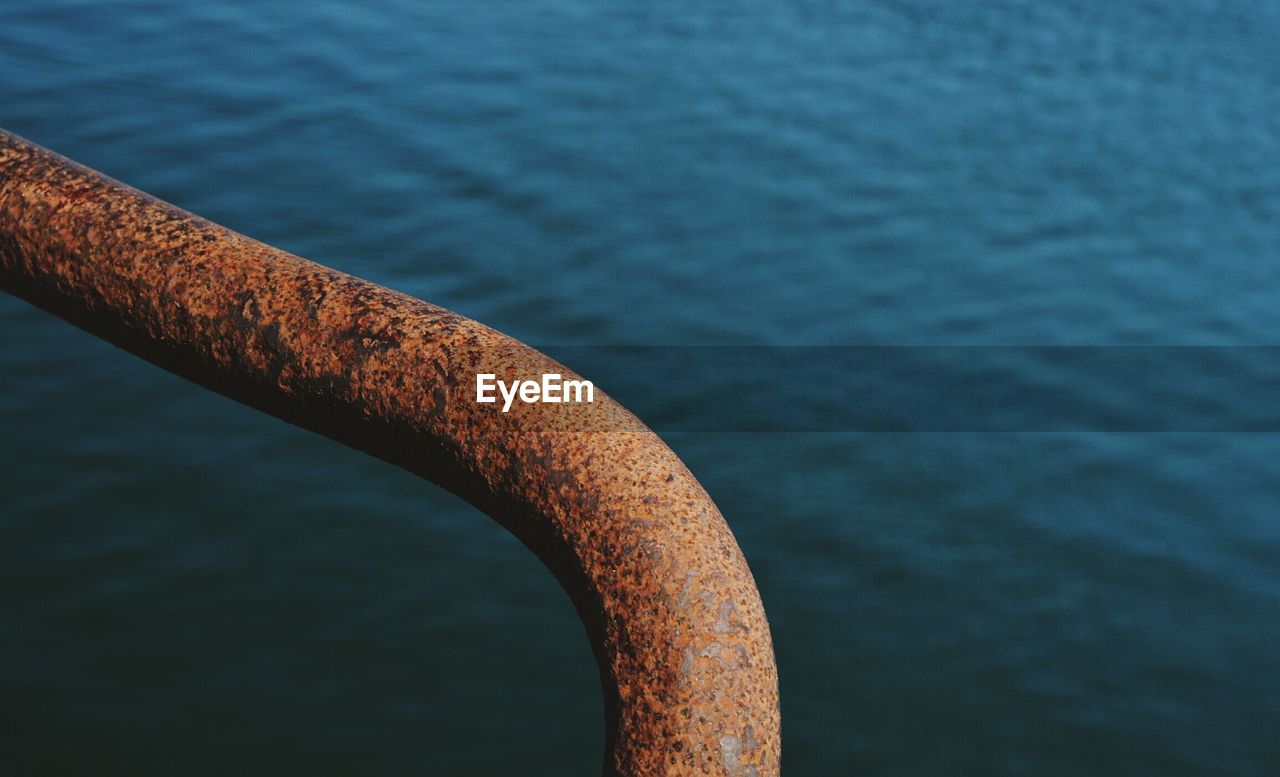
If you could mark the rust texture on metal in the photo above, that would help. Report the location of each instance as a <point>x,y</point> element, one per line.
<point>668,602</point>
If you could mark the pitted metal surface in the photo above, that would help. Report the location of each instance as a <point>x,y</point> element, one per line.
<point>670,607</point>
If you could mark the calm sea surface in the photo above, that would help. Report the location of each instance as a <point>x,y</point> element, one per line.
<point>188,587</point>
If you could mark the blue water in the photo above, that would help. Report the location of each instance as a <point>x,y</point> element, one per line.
<point>189,587</point>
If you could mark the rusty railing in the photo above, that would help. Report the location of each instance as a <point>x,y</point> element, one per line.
<point>672,612</point>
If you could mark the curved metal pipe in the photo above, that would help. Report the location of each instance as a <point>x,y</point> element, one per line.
<point>672,612</point>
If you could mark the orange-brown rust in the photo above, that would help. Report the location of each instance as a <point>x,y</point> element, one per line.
<point>669,604</point>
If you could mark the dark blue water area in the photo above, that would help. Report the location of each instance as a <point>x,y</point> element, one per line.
<point>188,587</point>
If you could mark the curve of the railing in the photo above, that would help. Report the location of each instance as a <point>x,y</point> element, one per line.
<point>671,609</point>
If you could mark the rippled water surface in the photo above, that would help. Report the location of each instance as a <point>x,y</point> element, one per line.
<point>189,587</point>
